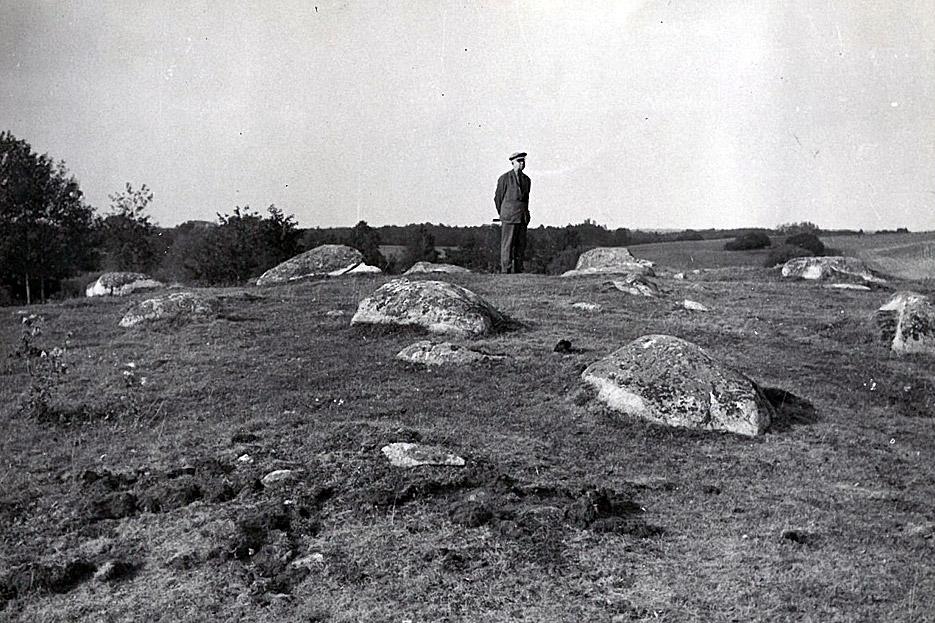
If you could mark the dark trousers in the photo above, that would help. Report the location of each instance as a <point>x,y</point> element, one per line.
<point>512,247</point>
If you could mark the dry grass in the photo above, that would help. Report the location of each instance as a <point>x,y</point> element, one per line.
<point>849,482</point>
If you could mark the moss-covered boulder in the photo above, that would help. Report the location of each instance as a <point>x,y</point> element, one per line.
<point>434,305</point>
<point>614,260</point>
<point>671,381</point>
<point>178,307</point>
<point>832,267</point>
<point>121,284</point>
<point>907,323</point>
<point>327,260</point>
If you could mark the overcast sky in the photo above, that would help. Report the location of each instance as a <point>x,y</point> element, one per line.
<point>668,114</point>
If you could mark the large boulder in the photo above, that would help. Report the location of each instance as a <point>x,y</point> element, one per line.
<point>604,260</point>
<point>121,284</point>
<point>832,267</point>
<point>434,354</point>
<point>438,306</point>
<point>431,267</point>
<point>674,382</point>
<point>178,306</point>
<point>327,260</point>
<point>907,323</point>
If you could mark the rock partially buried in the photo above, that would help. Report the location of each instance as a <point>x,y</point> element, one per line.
<point>616,260</point>
<point>431,267</point>
<point>833,267</point>
<point>279,475</point>
<point>327,260</point>
<point>402,454</point>
<point>435,354</point>
<point>907,323</point>
<point>178,306</point>
<point>671,381</point>
<point>848,286</point>
<point>435,305</point>
<point>691,305</point>
<point>121,284</point>
<point>637,285</point>
<point>588,307</point>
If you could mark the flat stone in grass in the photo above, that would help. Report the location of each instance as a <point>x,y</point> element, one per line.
<point>435,305</point>
<point>907,323</point>
<point>848,286</point>
<point>327,260</point>
<point>691,305</point>
<point>175,306</point>
<point>671,381</point>
<point>445,353</point>
<point>616,260</point>
<point>587,307</point>
<point>121,284</point>
<point>637,285</point>
<point>431,267</point>
<point>832,267</point>
<point>402,454</point>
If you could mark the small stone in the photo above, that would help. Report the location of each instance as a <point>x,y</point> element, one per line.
<point>245,458</point>
<point>693,306</point>
<point>678,276</point>
<point>279,475</point>
<point>588,307</point>
<point>113,570</point>
<point>402,454</point>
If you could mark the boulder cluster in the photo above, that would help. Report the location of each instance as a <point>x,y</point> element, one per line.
<point>661,378</point>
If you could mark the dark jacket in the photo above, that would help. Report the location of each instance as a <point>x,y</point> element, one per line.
<point>512,198</point>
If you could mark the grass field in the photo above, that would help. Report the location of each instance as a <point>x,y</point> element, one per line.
<point>135,495</point>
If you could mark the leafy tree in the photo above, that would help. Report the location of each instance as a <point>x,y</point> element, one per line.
<point>805,227</point>
<point>420,247</point>
<point>46,229</point>
<point>748,241</point>
<point>242,246</point>
<point>367,240</point>
<point>129,239</point>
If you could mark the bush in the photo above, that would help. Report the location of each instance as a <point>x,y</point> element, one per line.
<point>753,240</point>
<point>781,255</point>
<point>688,235</point>
<point>807,241</point>
<point>564,261</point>
<point>74,287</point>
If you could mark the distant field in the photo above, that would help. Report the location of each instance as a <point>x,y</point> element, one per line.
<point>908,256</point>
<point>692,254</point>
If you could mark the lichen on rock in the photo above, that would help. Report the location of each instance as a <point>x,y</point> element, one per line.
<point>437,306</point>
<point>327,260</point>
<point>907,323</point>
<point>671,381</point>
<point>617,260</point>
<point>176,306</point>
<point>121,284</point>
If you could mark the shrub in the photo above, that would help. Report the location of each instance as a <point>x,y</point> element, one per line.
<point>781,255</point>
<point>752,240</point>
<point>564,261</point>
<point>689,235</point>
<point>74,287</point>
<point>807,241</point>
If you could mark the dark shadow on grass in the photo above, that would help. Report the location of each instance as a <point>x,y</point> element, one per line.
<point>378,330</point>
<point>791,410</point>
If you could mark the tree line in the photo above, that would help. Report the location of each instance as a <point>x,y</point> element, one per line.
<point>52,242</point>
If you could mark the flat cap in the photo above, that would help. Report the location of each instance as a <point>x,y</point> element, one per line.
<point>518,154</point>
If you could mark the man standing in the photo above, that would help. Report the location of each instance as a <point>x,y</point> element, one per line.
<point>512,203</point>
